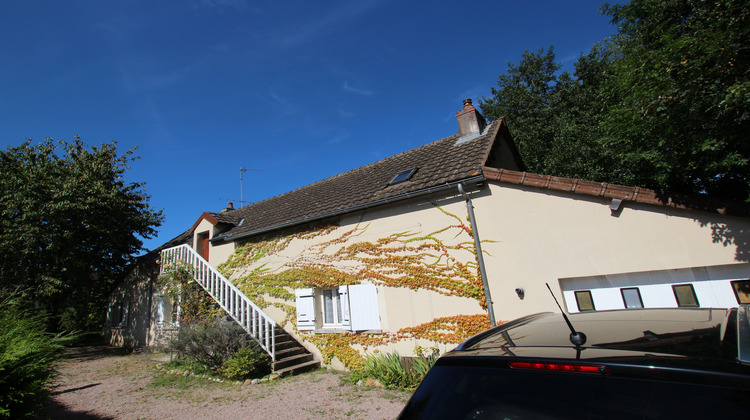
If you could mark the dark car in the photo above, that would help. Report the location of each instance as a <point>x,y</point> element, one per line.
<point>645,364</point>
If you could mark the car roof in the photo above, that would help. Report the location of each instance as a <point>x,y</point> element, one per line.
<point>685,332</point>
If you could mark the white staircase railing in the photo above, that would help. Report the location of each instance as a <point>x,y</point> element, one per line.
<point>259,325</point>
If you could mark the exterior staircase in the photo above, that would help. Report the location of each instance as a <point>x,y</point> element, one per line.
<point>287,354</point>
<point>291,356</point>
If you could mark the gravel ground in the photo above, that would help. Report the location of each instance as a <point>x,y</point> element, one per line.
<point>99,382</point>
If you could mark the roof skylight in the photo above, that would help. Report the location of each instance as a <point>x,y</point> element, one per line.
<point>403,176</point>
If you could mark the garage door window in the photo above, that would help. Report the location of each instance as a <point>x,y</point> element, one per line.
<point>631,297</point>
<point>742,290</point>
<point>585,301</point>
<point>685,295</point>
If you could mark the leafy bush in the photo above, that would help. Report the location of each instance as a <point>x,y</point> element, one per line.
<point>390,370</point>
<point>209,343</point>
<point>247,362</point>
<point>27,359</point>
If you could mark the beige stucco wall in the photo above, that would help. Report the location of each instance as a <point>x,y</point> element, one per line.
<point>542,236</point>
<point>399,306</point>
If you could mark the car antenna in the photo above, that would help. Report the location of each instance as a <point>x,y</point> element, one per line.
<point>576,337</point>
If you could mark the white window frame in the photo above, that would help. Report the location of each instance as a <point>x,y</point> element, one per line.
<point>334,297</point>
<point>358,306</point>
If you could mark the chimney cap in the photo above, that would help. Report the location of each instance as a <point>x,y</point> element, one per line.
<point>230,207</point>
<point>470,121</point>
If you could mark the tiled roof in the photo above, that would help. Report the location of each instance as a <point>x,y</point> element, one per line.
<point>439,163</point>
<point>621,192</point>
<point>153,255</point>
<point>228,217</point>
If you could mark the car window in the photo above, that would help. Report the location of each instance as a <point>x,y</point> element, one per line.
<point>477,393</point>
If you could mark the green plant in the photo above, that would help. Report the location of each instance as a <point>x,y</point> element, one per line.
<point>209,343</point>
<point>27,359</point>
<point>195,303</point>
<point>422,364</point>
<point>190,365</point>
<point>247,362</point>
<point>388,369</point>
<point>391,371</point>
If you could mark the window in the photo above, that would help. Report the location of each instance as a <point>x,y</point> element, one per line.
<point>584,300</point>
<point>166,311</point>
<point>631,296</point>
<point>685,295</point>
<point>350,308</point>
<point>331,305</point>
<point>118,314</point>
<point>403,176</point>
<point>742,290</point>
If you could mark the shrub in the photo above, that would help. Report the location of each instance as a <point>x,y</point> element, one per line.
<point>27,359</point>
<point>247,362</point>
<point>390,370</point>
<point>209,343</point>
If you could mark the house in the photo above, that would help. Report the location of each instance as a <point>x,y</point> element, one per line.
<point>139,313</point>
<point>427,247</point>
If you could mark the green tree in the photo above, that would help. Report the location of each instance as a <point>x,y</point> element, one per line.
<point>682,79</point>
<point>663,104</point>
<point>554,116</point>
<point>69,225</point>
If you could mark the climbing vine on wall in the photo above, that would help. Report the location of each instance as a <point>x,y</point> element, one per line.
<point>447,330</point>
<point>414,260</point>
<point>196,305</point>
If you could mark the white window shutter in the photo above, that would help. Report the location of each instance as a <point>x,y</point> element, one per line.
<point>305,309</point>
<point>345,312</point>
<point>363,307</point>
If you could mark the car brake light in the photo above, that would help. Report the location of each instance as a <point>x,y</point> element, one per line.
<point>565,367</point>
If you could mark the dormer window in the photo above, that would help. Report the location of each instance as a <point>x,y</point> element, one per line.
<point>403,176</point>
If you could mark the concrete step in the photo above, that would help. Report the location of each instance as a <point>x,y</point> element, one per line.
<point>292,360</point>
<point>289,351</point>
<point>286,345</point>
<point>298,368</point>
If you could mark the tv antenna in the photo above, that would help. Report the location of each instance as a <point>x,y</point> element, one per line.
<point>242,173</point>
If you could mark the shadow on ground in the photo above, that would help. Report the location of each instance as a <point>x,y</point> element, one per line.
<point>94,352</point>
<point>57,411</point>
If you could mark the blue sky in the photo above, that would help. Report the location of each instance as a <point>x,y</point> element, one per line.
<point>300,89</point>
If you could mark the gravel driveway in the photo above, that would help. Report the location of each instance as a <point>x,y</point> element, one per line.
<point>101,382</point>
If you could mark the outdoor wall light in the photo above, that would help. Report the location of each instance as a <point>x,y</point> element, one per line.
<point>615,205</point>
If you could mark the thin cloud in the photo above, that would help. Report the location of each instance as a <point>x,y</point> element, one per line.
<point>285,105</point>
<point>313,27</point>
<point>349,88</point>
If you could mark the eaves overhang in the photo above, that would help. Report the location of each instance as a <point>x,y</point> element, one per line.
<point>425,191</point>
<point>205,216</point>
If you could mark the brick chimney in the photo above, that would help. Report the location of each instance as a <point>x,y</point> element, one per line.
<point>470,121</point>
<point>230,207</point>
